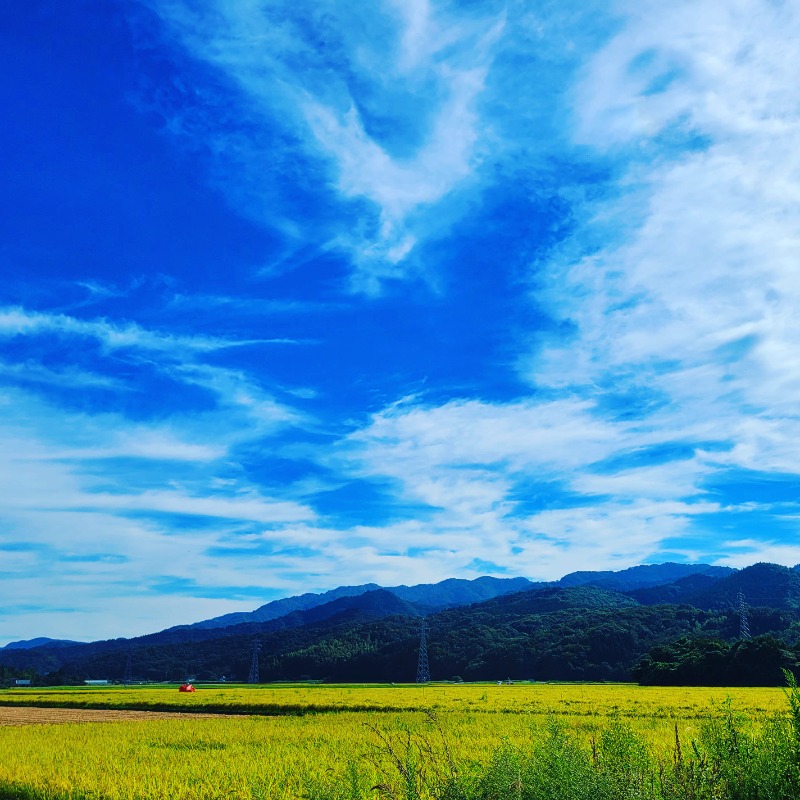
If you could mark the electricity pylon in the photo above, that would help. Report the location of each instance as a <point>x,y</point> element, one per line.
<point>744,625</point>
<point>423,670</point>
<point>253,676</point>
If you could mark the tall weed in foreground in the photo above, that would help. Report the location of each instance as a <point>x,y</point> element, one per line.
<point>747,764</point>
<point>793,698</point>
<point>624,763</point>
<point>557,767</point>
<point>417,765</point>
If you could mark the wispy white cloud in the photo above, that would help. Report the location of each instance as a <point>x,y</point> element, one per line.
<point>699,295</point>
<point>477,466</point>
<point>104,577</point>
<point>723,70</point>
<point>523,432</point>
<point>743,552</point>
<point>17,321</point>
<point>241,408</point>
<point>91,501</point>
<point>249,507</point>
<point>70,377</point>
<point>94,497</point>
<point>236,390</point>
<point>400,187</point>
<point>693,297</point>
<point>392,113</point>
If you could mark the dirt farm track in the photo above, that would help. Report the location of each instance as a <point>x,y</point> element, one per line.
<point>48,716</point>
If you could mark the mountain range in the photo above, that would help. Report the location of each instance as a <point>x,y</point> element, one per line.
<point>587,625</point>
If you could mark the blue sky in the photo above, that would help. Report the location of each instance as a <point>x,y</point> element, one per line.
<point>302,295</point>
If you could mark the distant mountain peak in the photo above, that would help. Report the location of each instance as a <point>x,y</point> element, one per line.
<point>39,641</point>
<point>428,596</point>
<point>643,576</point>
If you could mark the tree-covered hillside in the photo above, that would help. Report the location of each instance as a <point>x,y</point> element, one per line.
<point>549,632</point>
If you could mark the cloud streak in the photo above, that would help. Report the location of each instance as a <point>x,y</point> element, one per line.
<point>16,321</point>
<point>392,119</point>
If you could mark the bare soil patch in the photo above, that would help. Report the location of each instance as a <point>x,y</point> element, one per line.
<point>14,715</point>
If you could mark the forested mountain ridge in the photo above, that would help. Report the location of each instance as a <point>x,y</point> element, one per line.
<point>374,604</point>
<point>454,592</point>
<point>578,633</point>
<point>282,607</point>
<point>545,632</point>
<point>769,585</point>
<point>681,591</point>
<point>430,596</point>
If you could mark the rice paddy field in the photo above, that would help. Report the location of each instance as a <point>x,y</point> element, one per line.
<point>319,741</point>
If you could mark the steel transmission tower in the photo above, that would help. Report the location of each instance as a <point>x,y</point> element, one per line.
<point>127,676</point>
<point>744,626</point>
<point>253,676</point>
<point>423,670</point>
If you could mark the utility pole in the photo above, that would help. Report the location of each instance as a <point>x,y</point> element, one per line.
<point>127,676</point>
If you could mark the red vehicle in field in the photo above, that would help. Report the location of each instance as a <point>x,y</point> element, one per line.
<point>186,687</point>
